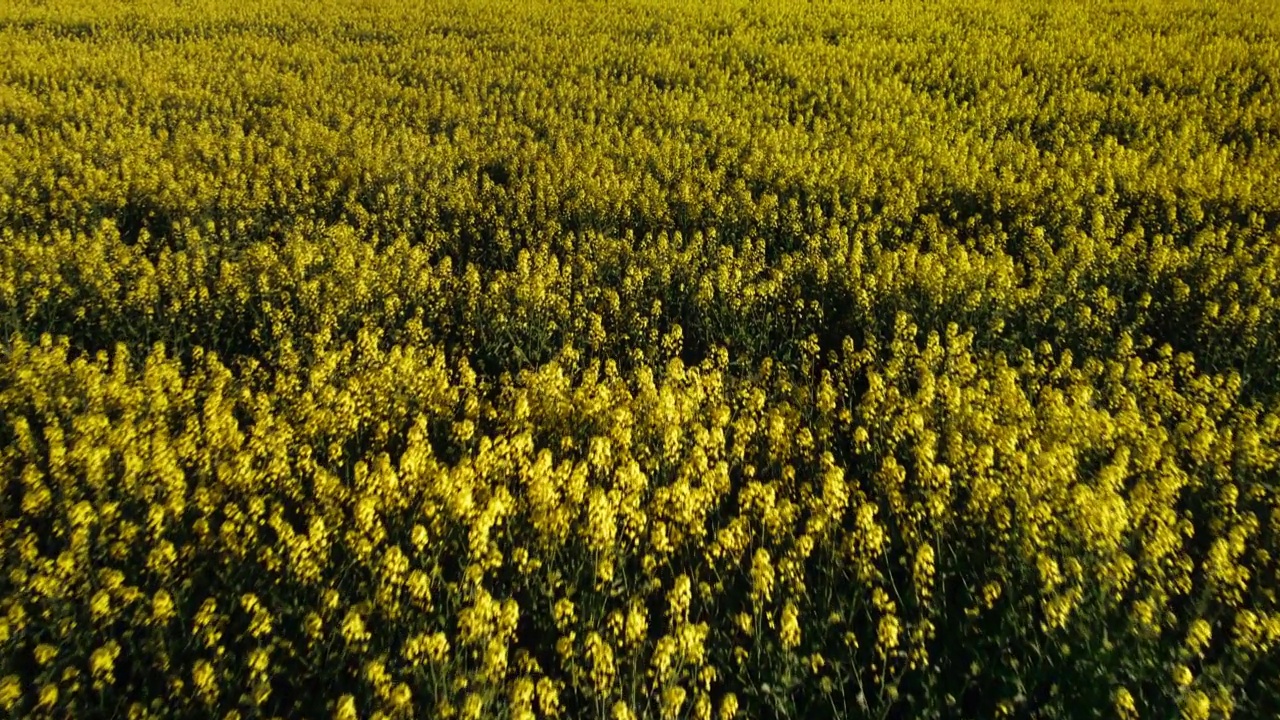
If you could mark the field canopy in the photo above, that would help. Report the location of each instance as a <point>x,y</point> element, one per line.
<point>639,359</point>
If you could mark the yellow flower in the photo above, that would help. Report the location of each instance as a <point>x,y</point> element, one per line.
<point>679,597</point>
<point>600,656</point>
<point>548,697</point>
<point>401,696</point>
<point>10,692</point>
<point>1196,706</point>
<point>564,645</point>
<point>1247,631</point>
<point>564,613</point>
<point>701,706</point>
<point>100,605</point>
<point>102,661</point>
<point>761,576</point>
<point>1198,636</point>
<point>45,653</point>
<point>81,514</point>
<point>1058,609</point>
<point>419,537</point>
<point>508,618</point>
<point>924,569</point>
<point>375,672</point>
<point>112,579</point>
<point>522,693</point>
<point>692,640</point>
<point>419,586</point>
<point>1124,705</point>
<point>621,711</point>
<point>887,634</point>
<point>203,676</point>
<point>990,593</point>
<point>614,623</point>
<point>162,607</point>
<point>495,659</point>
<point>790,626</point>
<point>314,625</point>
<point>48,696</point>
<point>637,625</point>
<point>261,693</point>
<point>664,652</point>
<point>1182,675</point>
<point>250,603</point>
<point>672,700</point>
<point>259,661</point>
<point>437,647</point>
<point>728,707</point>
<point>346,709</point>
<point>353,629</point>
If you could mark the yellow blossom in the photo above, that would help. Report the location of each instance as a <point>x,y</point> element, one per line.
<point>621,711</point>
<point>162,607</point>
<point>346,709</point>
<point>789,628</point>
<point>353,629</point>
<point>761,576</point>
<point>728,707</point>
<point>1198,636</point>
<point>1124,705</point>
<point>45,653</point>
<point>672,700</point>
<point>10,691</point>
<point>48,697</point>
<point>1195,706</point>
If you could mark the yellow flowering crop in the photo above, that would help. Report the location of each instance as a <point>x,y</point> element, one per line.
<point>641,359</point>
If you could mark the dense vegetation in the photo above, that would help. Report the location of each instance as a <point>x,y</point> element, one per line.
<point>639,359</point>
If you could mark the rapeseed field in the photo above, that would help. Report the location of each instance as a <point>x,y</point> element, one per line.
<point>640,359</point>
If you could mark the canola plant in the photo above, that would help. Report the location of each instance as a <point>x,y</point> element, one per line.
<point>642,359</point>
